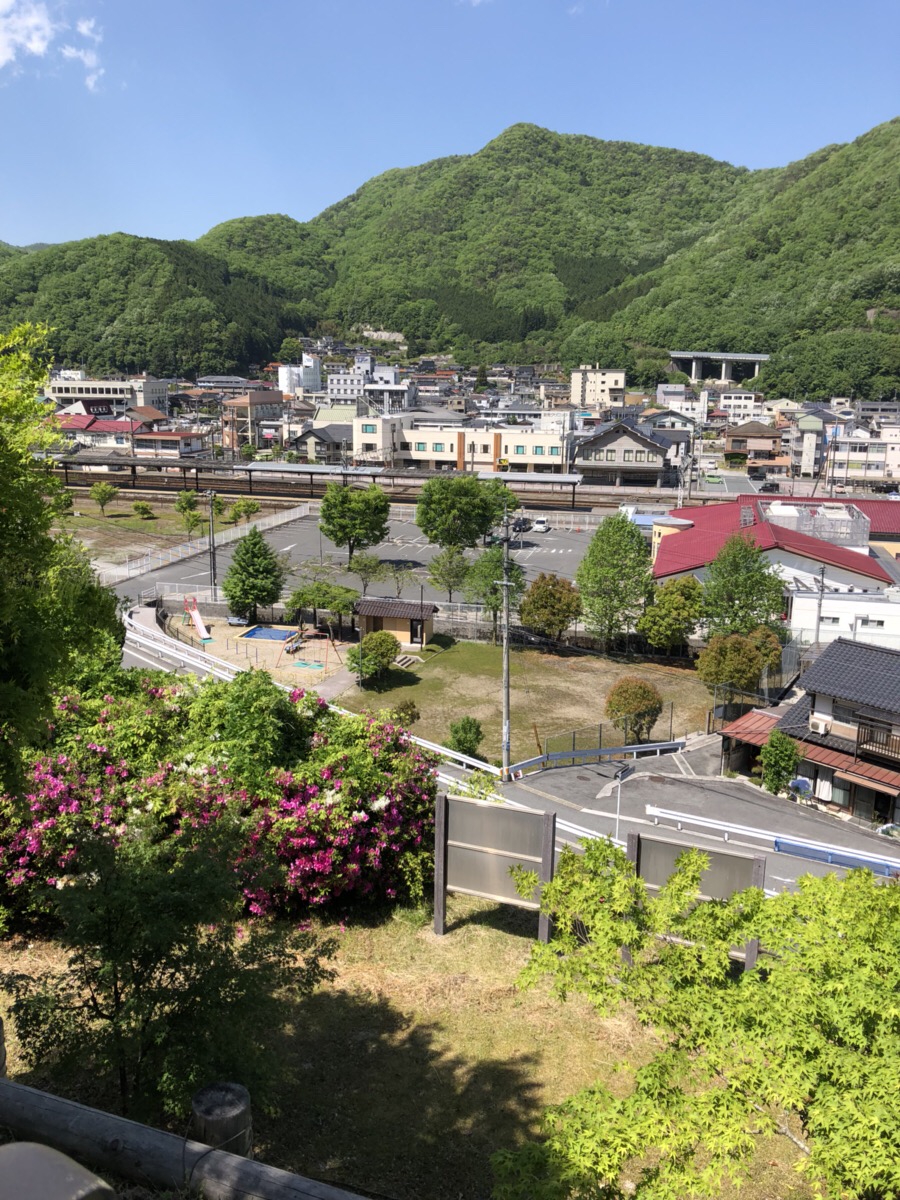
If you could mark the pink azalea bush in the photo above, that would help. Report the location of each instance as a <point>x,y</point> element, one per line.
<point>337,806</point>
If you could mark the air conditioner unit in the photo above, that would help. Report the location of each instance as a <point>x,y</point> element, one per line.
<point>818,725</point>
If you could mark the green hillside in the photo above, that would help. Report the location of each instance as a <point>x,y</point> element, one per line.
<point>129,303</point>
<point>539,246</point>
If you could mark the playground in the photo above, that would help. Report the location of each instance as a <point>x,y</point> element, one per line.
<point>298,656</point>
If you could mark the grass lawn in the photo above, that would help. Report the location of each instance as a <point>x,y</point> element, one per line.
<point>121,534</point>
<point>422,1058</point>
<point>551,692</point>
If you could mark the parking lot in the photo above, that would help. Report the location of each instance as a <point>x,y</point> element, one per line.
<point>557,551</point>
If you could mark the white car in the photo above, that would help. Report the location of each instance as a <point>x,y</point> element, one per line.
<point>539,525</point>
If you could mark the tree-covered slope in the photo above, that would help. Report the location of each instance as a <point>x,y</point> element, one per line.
<point>129,303</point>
<point>539,245</point>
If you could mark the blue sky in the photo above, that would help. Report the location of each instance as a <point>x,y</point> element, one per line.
<point>163,118</point>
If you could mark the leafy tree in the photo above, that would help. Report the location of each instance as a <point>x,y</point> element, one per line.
<point>780,757</point>
<point>178,992</point>
<point>550,605</point>
<point>737,660</point>
<point>103,493</point>
<point>674,613</point>
<point>143,510</point>
<point>459,510</point>
<point>448,570</point>
<point>742,589</point>
<point>192,521</point>
<point>355,519</point>
<point>186,502</point>
<point>368,567</point>
<point>633,705</point>
<point>219,507</point>
<point>466,735</point>
<point>614,577</point>
<point>484,584</point>
<point>402,575</point>
<point>481,378</point>
<point>374,654</point>
<point>244,509</point>
<point>738,1058</point>
<point>255,576</point>
<point>53,613</point>
<point>290,350</point>
<point>248,452</point>
<point>321,594</point>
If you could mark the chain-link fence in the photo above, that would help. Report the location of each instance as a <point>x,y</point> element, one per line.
<point>607,735</point>
<point>729,703</point>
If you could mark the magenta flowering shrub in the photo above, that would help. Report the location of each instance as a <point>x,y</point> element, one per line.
<point>350,814</point>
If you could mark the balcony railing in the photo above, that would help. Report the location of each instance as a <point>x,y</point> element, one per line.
<point>877,740</point>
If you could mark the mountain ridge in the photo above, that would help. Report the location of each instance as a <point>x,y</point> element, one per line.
<point>538,246</point>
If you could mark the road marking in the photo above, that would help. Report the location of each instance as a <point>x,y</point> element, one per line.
<point>196,575</point>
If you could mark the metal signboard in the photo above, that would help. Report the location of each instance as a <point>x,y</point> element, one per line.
<point>476,844</point>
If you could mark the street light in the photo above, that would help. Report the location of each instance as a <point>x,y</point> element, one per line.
<point>622,773</point>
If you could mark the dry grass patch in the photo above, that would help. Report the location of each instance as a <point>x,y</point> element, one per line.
<point>549,694</point>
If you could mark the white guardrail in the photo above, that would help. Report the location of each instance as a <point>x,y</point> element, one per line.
<point>161,558</point>
<point>161,646</point>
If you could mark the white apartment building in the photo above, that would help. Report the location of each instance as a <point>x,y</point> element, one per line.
<point>680,399</point>
<point>68,387</point>
<point>597,387</point>
<point>858,456</point>
<point>742,406</point>
<point>872,617</point>
<point>306,378</point>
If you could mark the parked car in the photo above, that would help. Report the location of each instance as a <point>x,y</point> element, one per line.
<point>840,490</point>
<point>540,525</point>
<point>770,486</point>
<point>890,488</point>
<point>521,525</point>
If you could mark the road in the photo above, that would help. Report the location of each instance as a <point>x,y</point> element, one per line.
<point>585,796</point>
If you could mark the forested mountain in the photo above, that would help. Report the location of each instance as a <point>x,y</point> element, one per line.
<point>539,246</point>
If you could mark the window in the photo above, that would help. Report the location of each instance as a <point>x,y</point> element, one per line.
<point>610,456</point>
<point>485,449</point>
<point>368,428</point>
<point>519,449</point>
<point>369,446</point>
<point>437,447</point>
<point>538,449</point>
<point>555,450</point>
<point>843,713</point>
<point>831,620</point>
<point>628,456</point>
<point>640,455</point>
<point>421,446</point>
<point>871,623</point>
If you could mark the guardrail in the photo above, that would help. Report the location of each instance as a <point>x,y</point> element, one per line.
<point>637,750</point>
<point>795,847</point>
<point>190,548</point>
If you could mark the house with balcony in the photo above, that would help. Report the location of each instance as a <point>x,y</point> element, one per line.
<point>846,727</point>
<point>753,442</point>
<point>622,454</point>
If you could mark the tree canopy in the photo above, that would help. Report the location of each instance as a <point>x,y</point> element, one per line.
<point>550,605</point>
<point>483,583</point>
<point>614,577</point>
<point>255,576</point>
<point>803,1047</point>
<point>742,589</point>
<point>355,519</point>
<point>459,510</point>
<point>674,613</point>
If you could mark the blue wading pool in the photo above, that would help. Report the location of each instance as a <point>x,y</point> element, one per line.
<point>267,634</point>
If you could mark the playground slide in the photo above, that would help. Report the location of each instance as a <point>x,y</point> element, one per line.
<point>199,626</point>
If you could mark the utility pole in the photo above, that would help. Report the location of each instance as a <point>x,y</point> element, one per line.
<point>819,601</point>
<point>506,586</point>
<point>212,542</point>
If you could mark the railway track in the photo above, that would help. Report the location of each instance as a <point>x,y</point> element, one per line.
<point>303,488</point>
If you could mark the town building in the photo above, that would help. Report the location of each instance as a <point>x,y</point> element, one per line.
<point>808,544</point>
<point>70,388</point>
<point>623,455</point>
<point>307,377</point>
<point>597,387</point>
<point>742,406</point>
<point>243,418</point>
<point>679,398</point>
<point>753,441</point>
<point>846,727</point>
<point>170,443</point>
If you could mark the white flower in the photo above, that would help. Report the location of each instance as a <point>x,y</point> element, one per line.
<point>380,804</point>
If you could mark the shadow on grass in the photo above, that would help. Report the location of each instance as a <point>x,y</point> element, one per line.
<point>393,677</point>
<point>502,918</point>
<point>378,1102</point>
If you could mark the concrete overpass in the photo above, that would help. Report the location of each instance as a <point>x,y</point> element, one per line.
<point>692,362</point>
